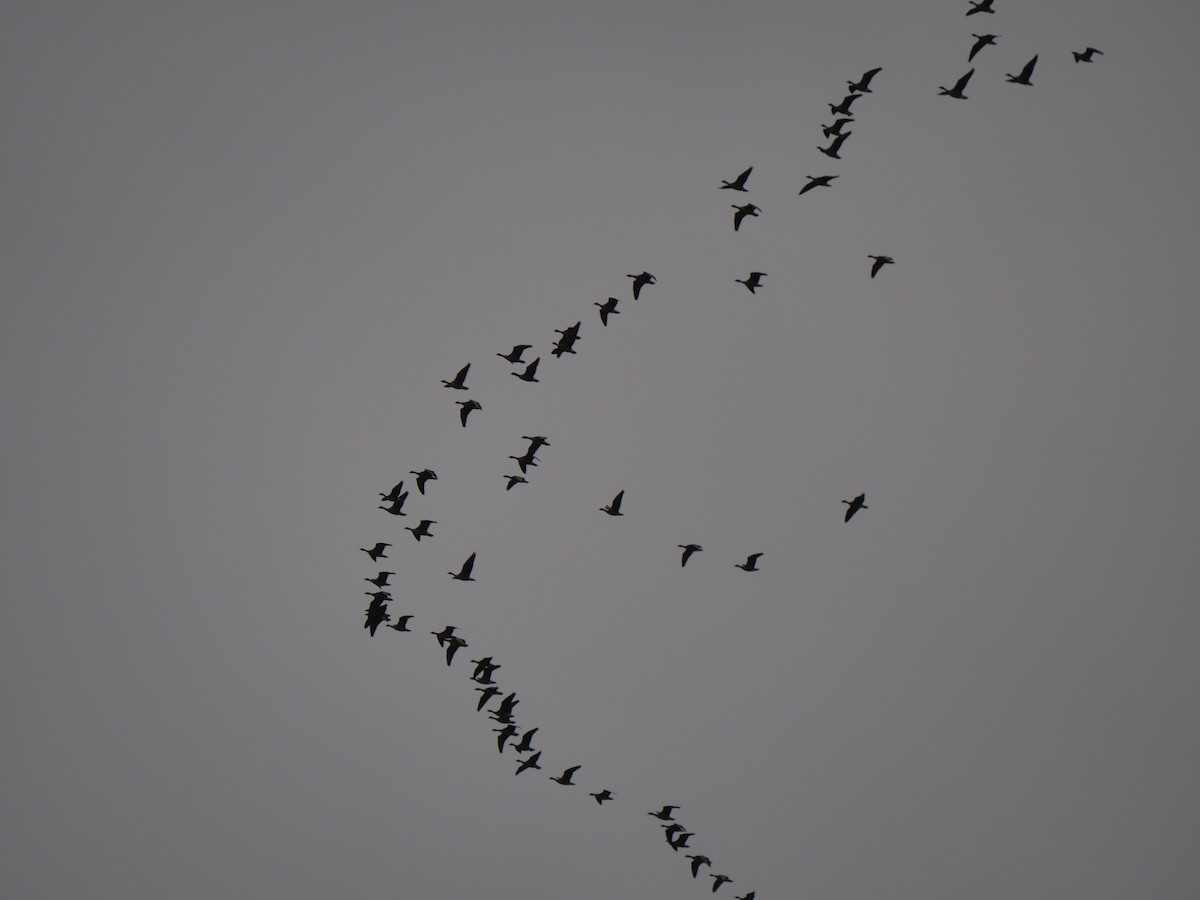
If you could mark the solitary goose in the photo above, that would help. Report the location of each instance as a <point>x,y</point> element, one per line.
<point>861,84</point>
<point>817,181</point>
<point>394,494</point>
<point>603,795</point>
<point>445,634</point>
<point>697,861</point>
<point>460,380</point>
<point>640,281</point>
<point>381,579</point>
<point>514,355</point>
<point>664,813</point>
<point>983,6</point>
<point>465,573</point>
<point>688,550</point>
<point>401,624</point>
<point>529,763</point>
<point>680,840</point>
<point>421,530</point>
<point>836,127</point>
<point>742,211</point>
<point>880,262</point>
<point>843,108</point>
<point>526,744</point>
<point>720,880</point>
<point>614,508</point>
<point>606,309</point>
<point>739,183</point>
<point>503,734</point>
<point>423,476</point>
<point>855,505</point>
<point>1086,55</point>
<point>753,281</point>
<point>397,507</point>
<point>957,91</point>
<point>452,648</point>
<point>514,480</point>
<point>486,694</point>
<point>751,563</point>
<point>530,373</point>
<point>536,442</point>
<point>525,461</point>
<point>832,150</point>
<point>565,777</point>
<point>376,553</point>
<point>981,41</point>
<point>1022,77</point>
<point>467,406</point>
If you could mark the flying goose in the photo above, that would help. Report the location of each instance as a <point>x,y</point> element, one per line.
<point>697,861</point>
<point>720,880</point>
<point>401,623</point>
<point>957,91</point>
<point>982,6</point>
<point>832,150</point>
<point>452,647</point>
<point>751,563</point>
<point>817,181</point>
<point>664,813</point>
<point>376,553</point>
<point>460,380</point>
<point>1023,76</point>
<point>739,183</point>
<point>465,573</point>
<point>536,442</point>
<point>880,262</point>
<point>529,763</point>
<point>526,744</point>
<point>981,41</point>
<point>1086,55</point>
<point>836,127</point>
<point>445,634</point>
<point>514,480</point>
<point>753,281</point>
<point>606,309</point>
<point>381,579</point>
<point>861,84</point>
<point>530,373</point>
<point>397,507</point>
<point>394,494</point>
<point>525,461</point>
<point>640,281</point>
<point>855,505</point>
<point>486,694</point>
<point>565,777</point>
<point>423,476</point>
<point>503,734</point>
<point>467,406</point>
<point>742,211</point>
<point>688,550</point>
<point>421,530</point>
<point>514,355</point>
<point>614,508</point>
<point>843,108</point>
<point>603,795</point>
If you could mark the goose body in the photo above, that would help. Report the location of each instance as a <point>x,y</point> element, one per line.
<point>742,211</point>
<point>460,380</point>
<point>817,181</point>
<point>739,183</point>
<point>614,508</point>
<point>464,574</point>
<point>467,406</point>
<point>376,553</point>
<point>753,281</point>
<point>1024,75</point>
<point>832,150</point>
<point>959,86</point>
<point>608,308</point>
<point>688,550</point>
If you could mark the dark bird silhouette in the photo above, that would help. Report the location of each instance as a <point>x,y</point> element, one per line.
<point>421,530</point>
<point>697,861</point>
<point>381,579</point>
<point>394,494</point>
<point>376,553</point>
<point>452,648</point>
<point>880,262</point>
<point>423,476</point>
<point>460,380</point>
<point>688,550</point>
<point>525,461</point>
<point>981,41</point>
<point>397,507</point>
<point>982,6</point>
<point>855,505</point>
<point>565,777</point>
<point>566,343</point>
<point>608,308</point>
<point>1086,55</point>
<point>376,615</point>
<point>665,813</point>
<point>536,442</point>
<point>836,127</point>
<point>751,563</point>
<point>502,717</point>
<point>749,896</point>
<point>529,763</point>
<point>465,573</point>
<point>1024,75</point>
<point>832,150</point>
<point>378,596</point>
<point>959,86</point>
<point>526,744</point>
<point>467,406</point>
<point>843,108</point>
<point>503,734</point>
<point>445,634</point>
<point>861,84</point>
<point>514,355</point>
<point>720,880</point>
<point>640,281</point>
<point>739,183</point>
<point>817,181</point>
<point>530,373</point>
<point>603,795</point>
<point>614,508</point>
<point>507,705</point>
<point>401,623</point>
<point>680,840</point>
<point>481,666</point>
<point>742,211</point>
<point>485,677</point>
<point>514,480</point>
<point>671,830</point>
<point>486,694</point>
<point>753,281</point>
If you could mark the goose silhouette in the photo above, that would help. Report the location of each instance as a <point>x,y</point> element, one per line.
<point>739,183</point>
<point>959,86</point>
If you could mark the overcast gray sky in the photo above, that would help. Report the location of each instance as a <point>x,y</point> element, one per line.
<point>245,242</point>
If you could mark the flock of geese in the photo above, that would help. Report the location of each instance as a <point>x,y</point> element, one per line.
<point>508,735</point>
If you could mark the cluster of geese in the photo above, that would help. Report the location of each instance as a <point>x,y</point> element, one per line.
<point>502,714</point>
<point>983,40</point>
